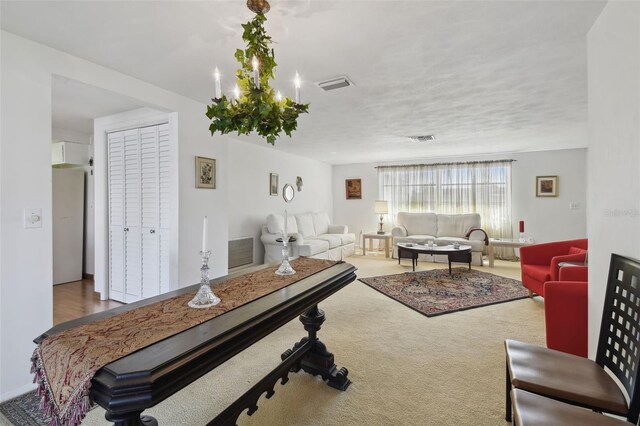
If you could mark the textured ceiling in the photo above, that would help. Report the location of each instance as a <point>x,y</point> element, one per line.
<point>484,77</point>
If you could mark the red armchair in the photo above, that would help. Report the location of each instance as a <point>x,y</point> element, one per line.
<point>565,314</point>
<point>539,263</point>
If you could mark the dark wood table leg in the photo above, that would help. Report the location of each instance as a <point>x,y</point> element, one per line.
<point>449,258</point>
<point>318,361</point>
<point>130,419</point>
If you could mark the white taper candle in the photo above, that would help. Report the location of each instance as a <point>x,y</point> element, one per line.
<point>256,73</point>
<point>216,76</point>
<point>286,234</point>
<point>204,234</point>
<point>296,83</point>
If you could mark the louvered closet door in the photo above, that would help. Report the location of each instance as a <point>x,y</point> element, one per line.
<point>165,162</point>
<point>132,217</point>
<point>150,197</point>
<point>115,175</point>
<point>139,165</point>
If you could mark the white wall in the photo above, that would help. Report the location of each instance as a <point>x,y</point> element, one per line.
<point>25,181</point>
<point>89,218</point>
<point>546,219</point>
<point>614,147</point>
<point>249,199</point>
<point>550,219</point>
<point>357,214</point>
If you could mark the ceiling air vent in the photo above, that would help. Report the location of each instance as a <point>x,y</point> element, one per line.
<point>335,83</point>
<point>425,138</point>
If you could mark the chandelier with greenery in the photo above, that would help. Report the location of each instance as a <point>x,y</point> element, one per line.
<point>255,105</point>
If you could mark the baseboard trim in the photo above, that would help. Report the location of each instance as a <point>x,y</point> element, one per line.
<point>17,392</point>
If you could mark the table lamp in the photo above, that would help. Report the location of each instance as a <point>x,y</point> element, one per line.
<point>381,207</point>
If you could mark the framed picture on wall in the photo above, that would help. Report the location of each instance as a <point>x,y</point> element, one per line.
<point>273,184</point>
<point>546,186</point>
<point>353,189</point>
<point>205,173</point>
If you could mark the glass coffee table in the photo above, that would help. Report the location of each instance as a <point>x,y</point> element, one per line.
<point>461,254</point>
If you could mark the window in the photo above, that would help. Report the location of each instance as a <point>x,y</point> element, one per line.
<point>482,187</point>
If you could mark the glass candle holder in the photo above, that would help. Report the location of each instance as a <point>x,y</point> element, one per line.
<point>285,267</point>
<point>205,297</point>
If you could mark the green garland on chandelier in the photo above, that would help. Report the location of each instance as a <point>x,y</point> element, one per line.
<point>257,109</point>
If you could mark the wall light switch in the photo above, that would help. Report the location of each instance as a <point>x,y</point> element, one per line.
<point>33,218</point>
<point>574,206</point>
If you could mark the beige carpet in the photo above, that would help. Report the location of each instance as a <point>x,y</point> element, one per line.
<point>406,369</point>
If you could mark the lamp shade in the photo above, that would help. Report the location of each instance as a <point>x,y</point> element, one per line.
<point>381,207</point>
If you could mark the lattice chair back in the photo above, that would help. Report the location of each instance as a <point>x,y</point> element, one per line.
<point>619,341</point>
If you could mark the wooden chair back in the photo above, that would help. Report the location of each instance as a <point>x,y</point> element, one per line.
<point>619,341</point>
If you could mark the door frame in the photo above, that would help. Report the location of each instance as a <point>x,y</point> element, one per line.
<point>141,117</point>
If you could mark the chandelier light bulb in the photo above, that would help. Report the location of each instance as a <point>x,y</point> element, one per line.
<point>236,91</point>
<point>279,96</point>
<point>216,76</point>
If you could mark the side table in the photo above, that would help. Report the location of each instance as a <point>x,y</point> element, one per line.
<point>388,239</point>
<point>504,243</point>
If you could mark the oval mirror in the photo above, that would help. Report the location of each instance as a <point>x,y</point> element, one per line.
<point>287,193</point>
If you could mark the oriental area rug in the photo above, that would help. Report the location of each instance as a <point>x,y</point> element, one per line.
<point>24,411</point>
<point>436,292</point>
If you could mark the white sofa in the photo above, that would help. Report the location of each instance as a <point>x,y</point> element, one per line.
<point>443,229</point>
<point>315,237</point>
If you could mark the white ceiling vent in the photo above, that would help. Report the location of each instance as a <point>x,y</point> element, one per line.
<point>335,83</point>
<point>425,138</point>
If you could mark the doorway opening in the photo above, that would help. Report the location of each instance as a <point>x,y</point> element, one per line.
<point>75,105</point>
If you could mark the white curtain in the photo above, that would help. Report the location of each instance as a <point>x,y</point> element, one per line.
<point>482,187</point>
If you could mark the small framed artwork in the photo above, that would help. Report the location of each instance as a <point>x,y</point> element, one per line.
<point>353,189</point>
<point>546,186</point>
<point>273,184</point>
<point>205,173</point>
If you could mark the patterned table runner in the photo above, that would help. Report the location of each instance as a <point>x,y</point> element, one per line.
<point>65,363</point>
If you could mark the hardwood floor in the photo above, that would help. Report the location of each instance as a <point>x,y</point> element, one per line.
<point>77,299</point>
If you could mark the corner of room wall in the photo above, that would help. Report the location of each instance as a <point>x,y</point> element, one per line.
<point>613,54</point>
<point>249,200</point>
<point>358,215</point>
